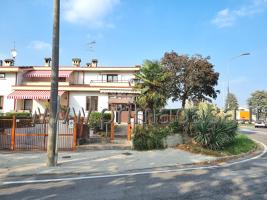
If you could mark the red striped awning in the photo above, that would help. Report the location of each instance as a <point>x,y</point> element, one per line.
<point>47,73</point>
<point>37,94</point>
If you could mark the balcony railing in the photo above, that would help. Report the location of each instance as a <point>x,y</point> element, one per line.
<point>109,83</point>
<point>105,81</point>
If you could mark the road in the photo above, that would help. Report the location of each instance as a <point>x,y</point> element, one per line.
<point>247,180</point>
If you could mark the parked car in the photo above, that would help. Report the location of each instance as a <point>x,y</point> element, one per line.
<point>260,124</point>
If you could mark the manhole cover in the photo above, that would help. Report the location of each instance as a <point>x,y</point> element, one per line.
<point>127,153</point>
<point>64,157</point>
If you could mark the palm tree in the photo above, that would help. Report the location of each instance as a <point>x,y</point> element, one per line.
<point>153,82</point>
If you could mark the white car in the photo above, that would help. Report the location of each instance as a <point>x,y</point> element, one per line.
<point>260,124</point>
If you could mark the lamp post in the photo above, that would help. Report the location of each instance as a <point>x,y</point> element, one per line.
<point>228,74</point>
<point>242,54</point>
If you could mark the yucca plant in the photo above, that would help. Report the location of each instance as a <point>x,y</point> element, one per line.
<point>214,132</point>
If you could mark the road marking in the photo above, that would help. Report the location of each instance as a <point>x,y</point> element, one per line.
<point>138,173</point>
<point>252,130</point>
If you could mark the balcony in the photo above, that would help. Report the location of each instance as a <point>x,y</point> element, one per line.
<point>41,83</point>
<point>105,83</point>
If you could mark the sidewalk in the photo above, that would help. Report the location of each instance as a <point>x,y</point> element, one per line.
<point>94,162</point>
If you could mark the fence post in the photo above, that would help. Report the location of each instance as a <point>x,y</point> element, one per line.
<point>129,133</point>
<point>74,145</point>
<point>81,128</point>
<point>112,131</point>
<point>13,133</point>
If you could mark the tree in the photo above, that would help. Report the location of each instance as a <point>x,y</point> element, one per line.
<point>258,101</point>
<point>193,78</point>
<point>231,102</point>
<point>153,83</point>
<point>52,126</point>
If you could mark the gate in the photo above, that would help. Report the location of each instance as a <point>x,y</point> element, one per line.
<point>23,134</point>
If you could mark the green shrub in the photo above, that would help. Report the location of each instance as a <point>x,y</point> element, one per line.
<point>9,115</point>
<point>95,119</point>
<point>149,137</point>
<point>212,131</point>
<point>175,127</point>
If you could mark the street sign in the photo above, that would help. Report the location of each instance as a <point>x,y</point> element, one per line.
<point>71,123</point>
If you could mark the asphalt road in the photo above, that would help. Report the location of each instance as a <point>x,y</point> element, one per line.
<point>247,180</point>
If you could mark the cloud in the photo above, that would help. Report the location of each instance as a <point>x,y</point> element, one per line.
<point>39,45</point>
<point>93,13</point>
<point>228,17</point>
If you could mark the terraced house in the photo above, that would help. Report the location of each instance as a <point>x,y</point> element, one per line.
<point>27,88</point>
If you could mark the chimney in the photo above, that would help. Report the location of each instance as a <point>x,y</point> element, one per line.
<point>1,63</point>
<point>89,64</point>
<point>94,62</point>
<point>76,62</point>
<point>47,62</point>
<point>8,62</point>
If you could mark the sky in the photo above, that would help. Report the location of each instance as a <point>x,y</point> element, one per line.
<point>127,32</point>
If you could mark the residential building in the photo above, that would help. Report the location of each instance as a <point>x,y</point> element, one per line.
<point>98,87</point>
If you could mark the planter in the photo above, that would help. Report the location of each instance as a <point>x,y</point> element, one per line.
<point>173,140</point>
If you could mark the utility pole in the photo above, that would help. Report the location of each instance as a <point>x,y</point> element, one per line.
<point>52,126</point>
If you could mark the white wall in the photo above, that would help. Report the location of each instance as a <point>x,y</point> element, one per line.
<point>77,100</point>
<point>41,104</point>
<point>126,77</point>
<point>102,102</point>
<point>5,89</point>
<point>91,76</point>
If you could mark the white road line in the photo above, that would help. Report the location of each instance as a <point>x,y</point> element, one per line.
<point>137,173</point>
<point>252,130</point>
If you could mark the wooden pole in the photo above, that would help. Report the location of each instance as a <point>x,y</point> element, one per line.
<point>129,133</point>
<point>13,133</point>
<point>75,129</point>
<point>112,131</point>
<point>81,128</point>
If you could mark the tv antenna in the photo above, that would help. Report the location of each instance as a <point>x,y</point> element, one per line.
<point>91,45</point>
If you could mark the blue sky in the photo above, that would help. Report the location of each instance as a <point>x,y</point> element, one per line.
<point>129,31</point>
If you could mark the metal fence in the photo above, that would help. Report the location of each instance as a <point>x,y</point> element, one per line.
<point>23,134</point>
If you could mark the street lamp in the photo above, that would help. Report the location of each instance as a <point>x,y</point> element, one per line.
<point>228,74</point>
<point>242,54</point>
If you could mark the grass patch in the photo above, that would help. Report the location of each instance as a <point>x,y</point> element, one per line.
<point>196,148</point>
<point>241,144</point>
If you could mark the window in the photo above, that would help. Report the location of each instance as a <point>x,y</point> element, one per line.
<point>92,102</point>
<point>112,77</point>
<point>28,104</point>
<point>2,75</point>
<point>61,79</point>
<point>1,102</point>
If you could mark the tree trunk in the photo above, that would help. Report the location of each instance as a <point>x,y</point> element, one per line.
<point>183,103</point>
<point>52,127</point>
